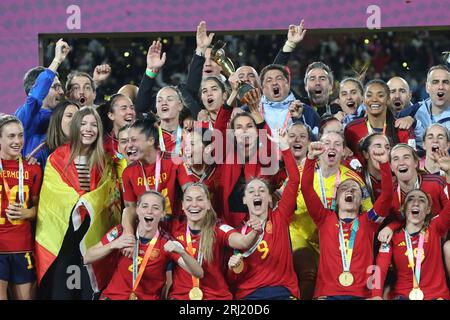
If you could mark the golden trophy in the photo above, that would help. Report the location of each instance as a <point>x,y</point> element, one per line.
<point>218,55</point>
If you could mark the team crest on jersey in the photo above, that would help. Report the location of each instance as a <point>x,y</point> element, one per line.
<point>269,227</point>
<point>155,254</point>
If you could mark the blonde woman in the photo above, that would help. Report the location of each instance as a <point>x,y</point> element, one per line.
<point>205,238</point>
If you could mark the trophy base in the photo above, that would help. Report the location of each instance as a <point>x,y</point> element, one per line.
<point>243,89</point>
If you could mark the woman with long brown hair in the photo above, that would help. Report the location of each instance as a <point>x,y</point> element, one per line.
<point>76,210</point>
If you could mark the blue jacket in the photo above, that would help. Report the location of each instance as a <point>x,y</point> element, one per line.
<point>35,119</point>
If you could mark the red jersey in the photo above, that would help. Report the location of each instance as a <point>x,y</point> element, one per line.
<point>271,263</point>
<point>133,182</point>
<point>154,277</point>
<point>327,221</point>
<point>16,236</point>
<point>213,283</point>
<point>433,185</point>
<point>261,165</point>
<point>170,140</point>
<point>432,275</point>
<point>211,179</point>
<point>357,130</point>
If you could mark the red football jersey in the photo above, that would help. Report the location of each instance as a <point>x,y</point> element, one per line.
<point>271,263</point>
<point>357,130</point>
<point>432,276</point>
<point>433,185</point>
<point>213,283</point>
<point>211,180</point>
<point>16,236</point>
<point>134,186</point>
<point>154,277</point>
<point>330,264</point>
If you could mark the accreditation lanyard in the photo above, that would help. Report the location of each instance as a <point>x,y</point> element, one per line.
<point>137,276</point>
<point>399,190</point>
<point>346,253</point>
<point>370,129</point>
<point>288,116</point>
<point>177,141</point>
<point>6,185</point>
<point>157,172</point>
<point>323,192</point>
<point>190,250</point>
<point>418,265</point>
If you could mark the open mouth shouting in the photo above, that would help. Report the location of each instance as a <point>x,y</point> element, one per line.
<point>257,203</point>
<point>435,147</point>
<point>148,219</point>
<point>440,94</point>
<point>297,147</point>
<point>132,153</point>
<point>276,91</point>
<point>415,211</point>
<point>403,169</point>
<point>351,105</point>
<point>349,197</point>
<point>331,156</point>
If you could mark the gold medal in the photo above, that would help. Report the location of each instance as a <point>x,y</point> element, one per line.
<point>346,279</point>
<point>238,269</point>
<point>133,296</point>
<point>195,294</point>
<point>416,294</point>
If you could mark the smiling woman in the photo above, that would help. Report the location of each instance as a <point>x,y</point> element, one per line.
<point>143,276</point>
<point>420,271</point>
<point>19,195</point>
<point>77,191</point>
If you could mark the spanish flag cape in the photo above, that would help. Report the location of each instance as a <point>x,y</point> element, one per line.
<point>61,199</point>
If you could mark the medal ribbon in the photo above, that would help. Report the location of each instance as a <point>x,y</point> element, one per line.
<point>416,273</point>
<point>137,276</point>
<point>323,191</point>
<point>370,129</point>
<point>190,250</point>
<point>399,190</point>
<point>157,172</point>
<point>162,146</point>
<point>347,253</point>
<point>8,189</point>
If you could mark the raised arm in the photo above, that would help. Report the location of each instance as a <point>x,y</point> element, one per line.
<point>286,205</point>
<point>382,205</point>
<point>28,112</point>
<point>294,36</point>
<point>155,61</point>
<point>313,203</point>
